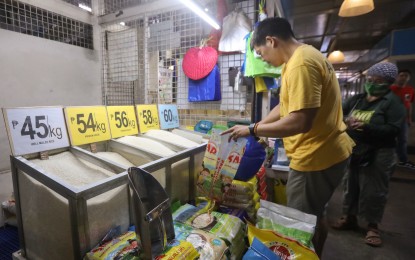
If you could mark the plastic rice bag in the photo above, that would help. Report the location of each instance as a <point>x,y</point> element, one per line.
<point>287,221</point>
<point>282,246</point>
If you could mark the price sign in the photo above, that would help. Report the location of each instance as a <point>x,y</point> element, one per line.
<point>34,130</point>
<point>147,117</point>
<point>169,116</point>
<point>87,124</point>
<point>122,121</point>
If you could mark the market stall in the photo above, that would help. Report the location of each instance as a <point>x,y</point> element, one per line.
<point>58,202</point>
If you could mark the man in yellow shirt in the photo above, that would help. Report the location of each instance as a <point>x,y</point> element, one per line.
<point>309,118</point>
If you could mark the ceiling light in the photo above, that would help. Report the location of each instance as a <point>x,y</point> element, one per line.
<point>197,10</point>
<point>336,57</point>
<point>356,7</point>
<point>87,8</point>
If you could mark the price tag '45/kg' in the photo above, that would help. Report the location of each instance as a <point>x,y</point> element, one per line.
<point>36,129</point>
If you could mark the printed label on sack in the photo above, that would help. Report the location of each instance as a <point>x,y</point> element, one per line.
<point>147,117</point>
<point>87,124</point>
<point>169,116</point>
<point>34,130</point>
<point>122,121</point>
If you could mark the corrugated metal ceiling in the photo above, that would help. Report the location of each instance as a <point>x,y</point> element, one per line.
<point>316,22</point>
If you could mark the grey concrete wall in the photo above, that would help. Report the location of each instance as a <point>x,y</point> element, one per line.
<point>40,72</point>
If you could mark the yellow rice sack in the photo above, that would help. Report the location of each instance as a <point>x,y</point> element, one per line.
<point>282,246</point>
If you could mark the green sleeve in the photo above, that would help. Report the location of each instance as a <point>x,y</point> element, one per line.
<point>394,114</point>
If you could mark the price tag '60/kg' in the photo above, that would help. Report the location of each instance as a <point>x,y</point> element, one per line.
<point>169,116</point>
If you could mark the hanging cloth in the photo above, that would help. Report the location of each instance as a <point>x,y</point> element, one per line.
<point>271,7</point>
<point>206,89</point>
<point>255,66</point>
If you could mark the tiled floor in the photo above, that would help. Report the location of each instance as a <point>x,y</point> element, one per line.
<point>398,226</point>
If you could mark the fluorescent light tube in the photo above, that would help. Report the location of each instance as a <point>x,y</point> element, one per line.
<point>197,10</point>
<point>89,9</point>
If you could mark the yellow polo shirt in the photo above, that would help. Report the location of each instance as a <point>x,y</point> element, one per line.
<point>309,81</point>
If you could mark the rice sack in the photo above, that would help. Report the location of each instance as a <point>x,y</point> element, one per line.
<point>220,164</point>
<point>227,227</point>
<point>284,247</point>
<point>208,246</point>
<point>287,221</point>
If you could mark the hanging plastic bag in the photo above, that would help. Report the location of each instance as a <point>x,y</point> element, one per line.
<point>232,74</point>
<point>205,89</point>
<point>260,85</point>
<point>251,161</point>
<point>255,66</point>
<point>236,26</point>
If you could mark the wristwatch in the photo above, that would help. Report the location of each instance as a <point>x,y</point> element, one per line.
<point>251,129</point>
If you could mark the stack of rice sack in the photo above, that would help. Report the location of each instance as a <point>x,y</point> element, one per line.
<point>208,245</point>
<point>126,247</point>
<point>189,243</point>
<point>246,195</point>
<point>243,195</point>
<point>229,228</point>
<point>228,177</point>
<point>286,231</point>
<point>262,183</point>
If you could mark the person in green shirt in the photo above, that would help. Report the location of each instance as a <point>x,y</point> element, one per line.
<point>373,119</point>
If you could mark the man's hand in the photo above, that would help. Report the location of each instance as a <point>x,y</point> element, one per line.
<point>236,132</point>
<point>354,123</point>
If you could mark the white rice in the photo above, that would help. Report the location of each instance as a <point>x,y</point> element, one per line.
<point>72,170</point>
<point>147,145</point>
<point>115,157</point>
<point>45,213</point>
<point>170,138</point>
<point>194,137</point>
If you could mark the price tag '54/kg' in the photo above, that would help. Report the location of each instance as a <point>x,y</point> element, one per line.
<point>87,124</point>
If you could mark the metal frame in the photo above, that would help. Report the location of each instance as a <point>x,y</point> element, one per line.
<point>77,197</point>
<point>139,42</point>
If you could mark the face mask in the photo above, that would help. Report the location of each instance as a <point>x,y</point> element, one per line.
<point>376,90</point>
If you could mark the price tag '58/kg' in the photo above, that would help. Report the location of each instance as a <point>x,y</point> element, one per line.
<point>147,117</point>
